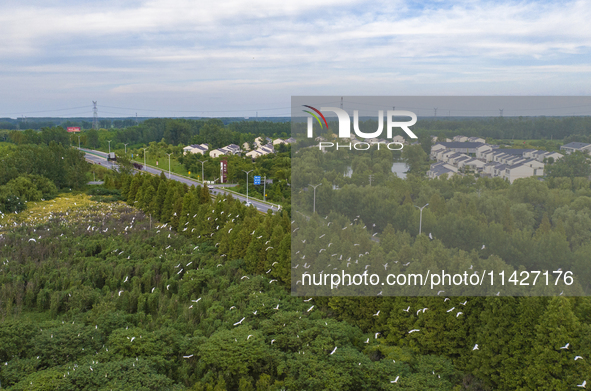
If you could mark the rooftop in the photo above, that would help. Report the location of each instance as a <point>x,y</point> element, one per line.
<point>575,145</point>
<point>459,144</point>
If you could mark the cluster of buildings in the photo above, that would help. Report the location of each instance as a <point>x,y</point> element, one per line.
<point>574,147</point>
<point>262,147</point>
<point>261,150</point>
<point>196,148</point>
<point>461,139</point>
<point>477,157</point>
<point>231,149</point>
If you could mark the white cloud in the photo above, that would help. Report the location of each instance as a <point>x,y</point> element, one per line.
<point>284,48</point>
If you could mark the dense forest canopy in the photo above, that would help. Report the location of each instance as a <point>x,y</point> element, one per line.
<point>33,172</point>
<point>200,300</point>
<point>224,131</point>
<point>38,123</point>
<point>173,131</point>
<point>148,284</point>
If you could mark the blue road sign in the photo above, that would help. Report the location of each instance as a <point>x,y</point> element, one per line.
<point>257,179</point>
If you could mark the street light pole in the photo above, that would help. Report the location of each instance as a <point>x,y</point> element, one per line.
<point>265,188</point>
<point>202,175</point>
<point>247,172</point>
<point>169,164</point>
<point>125,149</point>
<point>145,157</point>
<point>421,216</point>
<point>315,186</point>
<point>78,142</point>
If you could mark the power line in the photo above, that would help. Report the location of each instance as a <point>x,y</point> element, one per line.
<point>378,106</point>
<point>198,111</point>
<point>48,111</point>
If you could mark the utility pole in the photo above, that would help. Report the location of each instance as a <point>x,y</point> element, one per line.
<point>125,149</point>
<point>145,157</point>
<point>78,142</point>
<point>202,175</point>
<point>247,184</point>
<point>315,186</point>
<point>370,177</point>
<point>501,112</point>
<point>435,112</point>
<point>341,103</point>
<point>265,188</point>
<point>169,164</point>
<point>421,216</point>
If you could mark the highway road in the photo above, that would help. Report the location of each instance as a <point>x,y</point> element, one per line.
<point>99,157</point>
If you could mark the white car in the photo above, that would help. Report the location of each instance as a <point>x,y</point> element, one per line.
<point>210,187</point>
<point>248,204</point>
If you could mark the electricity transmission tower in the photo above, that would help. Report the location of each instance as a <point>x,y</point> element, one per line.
<point>94,115</point>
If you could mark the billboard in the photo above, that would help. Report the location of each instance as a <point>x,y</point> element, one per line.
<point>73,129</point>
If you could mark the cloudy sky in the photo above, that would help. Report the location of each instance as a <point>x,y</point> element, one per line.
<point>237,58</point>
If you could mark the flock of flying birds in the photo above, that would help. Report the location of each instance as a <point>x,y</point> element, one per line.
<point>339,257</point>
<point>113,211</point>
<point>348,261</point>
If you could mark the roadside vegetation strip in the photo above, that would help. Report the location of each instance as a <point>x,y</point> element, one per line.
<point>244,195</point>
<point>166,171</point>
<point>219,188</point>
<point>92,152</point>
<point>225,189</point>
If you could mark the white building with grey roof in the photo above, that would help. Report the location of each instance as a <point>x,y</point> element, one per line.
<point>575,146</point>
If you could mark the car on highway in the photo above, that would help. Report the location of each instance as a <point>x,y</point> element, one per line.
<point>210,187</point>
